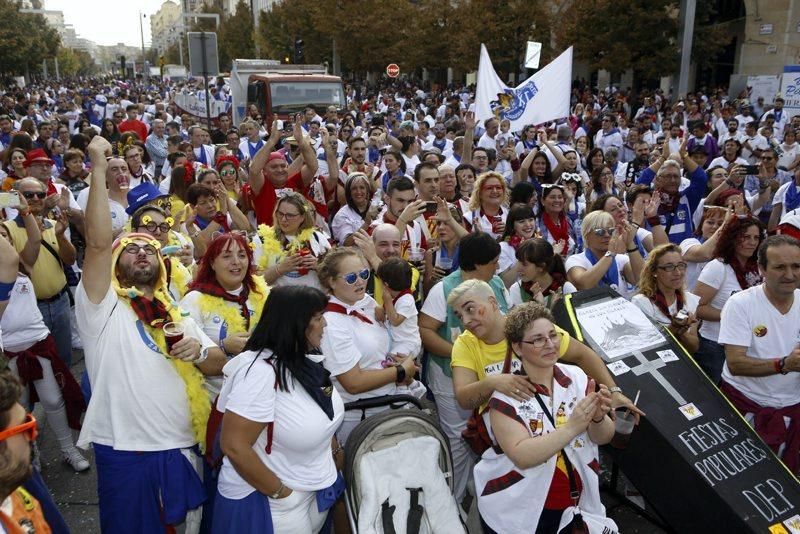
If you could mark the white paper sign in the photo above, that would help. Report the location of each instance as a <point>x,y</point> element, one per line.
<point>618,368</point>
<point>533,54</point>
<point>667,355</point>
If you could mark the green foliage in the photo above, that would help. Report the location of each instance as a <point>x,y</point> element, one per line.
<point>235,36</point>
<point>27,39</point>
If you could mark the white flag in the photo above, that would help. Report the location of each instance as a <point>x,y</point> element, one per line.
<point>543,97</point>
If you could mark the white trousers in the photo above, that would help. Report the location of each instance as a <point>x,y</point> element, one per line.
<point>453,419</point>
<point>297,513</point>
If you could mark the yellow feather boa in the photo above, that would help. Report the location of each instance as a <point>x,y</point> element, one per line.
<point>199,403</point>
<point>230,315</point>
<point>180,276</point>
<point>273,251</point>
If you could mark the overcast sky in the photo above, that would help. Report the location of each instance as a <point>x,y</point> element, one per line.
<point>107,22</point>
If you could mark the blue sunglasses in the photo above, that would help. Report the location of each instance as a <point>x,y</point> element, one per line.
<point>351,278</point>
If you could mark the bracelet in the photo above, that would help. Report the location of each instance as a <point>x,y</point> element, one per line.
<point>783,366</point>
<point>634,249</point>
<point>277,494</point>
<point>654,221</point>
<point>615,389</point>
<point>600,421</point>
<point>776,364</point>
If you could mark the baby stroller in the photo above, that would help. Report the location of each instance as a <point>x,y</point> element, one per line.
<point>399,472</point>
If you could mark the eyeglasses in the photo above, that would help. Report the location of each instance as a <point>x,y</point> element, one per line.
<point>152,227</point>
<point>29,427</point>
<point>352,278</point>
<point>769,158</point>
<point>286,216</point>
<point>607,173</point>
<point>134,155</point>
<point>541,342</point>
<point>670,267</point>
<point>229,172</point>
<point>670,176</point>
<point>133,249</point>
<point>41,195</point>
<point>600,232</point>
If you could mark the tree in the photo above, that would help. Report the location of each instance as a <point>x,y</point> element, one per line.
<point>27,39</point>
<point>68,63</point>
<point>236,36</point>
<point>288,21</point>
<point>641,35</point>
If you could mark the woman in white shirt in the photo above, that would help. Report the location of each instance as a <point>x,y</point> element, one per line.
<point>662,296</point>
<point>280,416</point>
<point>734,268</point>
<point>355,344</point>
<point>356,214</point>
<point>487,205</point>
<point>520,227</point>
<point>790,156</point>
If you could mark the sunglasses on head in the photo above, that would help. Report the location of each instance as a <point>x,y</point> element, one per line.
<point>600,232</point>
<point>41,195</point>
<point>352,278</point>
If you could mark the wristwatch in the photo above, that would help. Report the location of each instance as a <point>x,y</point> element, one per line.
<point>401,373</point>
<point>203,356</point>
<point>609,254</point>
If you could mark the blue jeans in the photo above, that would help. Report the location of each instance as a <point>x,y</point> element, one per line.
<point>710,356</point>
<point>57,319</point>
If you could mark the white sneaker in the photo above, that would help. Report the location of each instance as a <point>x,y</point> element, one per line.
<point>76,460</point>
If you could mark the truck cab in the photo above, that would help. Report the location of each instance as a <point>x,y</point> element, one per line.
<point>279,91</point>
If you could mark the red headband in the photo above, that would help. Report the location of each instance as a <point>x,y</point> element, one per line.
<point>227,159</point>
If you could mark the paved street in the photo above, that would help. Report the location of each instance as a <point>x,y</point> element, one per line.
<point>76,493</point>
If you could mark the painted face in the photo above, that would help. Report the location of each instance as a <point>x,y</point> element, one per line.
<point>476,314</point>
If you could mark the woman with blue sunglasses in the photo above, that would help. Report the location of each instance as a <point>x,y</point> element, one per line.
<point>355,344</point>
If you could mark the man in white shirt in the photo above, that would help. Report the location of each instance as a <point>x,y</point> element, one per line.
<point>488,140</point>
<point>754,143</point>
<point>440,141</point>
<point>731,133</point>
<point>760,329</point>
<point>608,135</point>
<point>148,409</point>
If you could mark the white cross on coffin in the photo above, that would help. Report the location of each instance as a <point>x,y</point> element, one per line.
<point>652,367</point>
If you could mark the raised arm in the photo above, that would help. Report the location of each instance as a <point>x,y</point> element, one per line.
<point>97,262</point>
<point>256,178</point>
<point>521,175</point>
<point>309,169</point>
<point>9,266</point>
<point>330,158</point>
<point>469,136</point>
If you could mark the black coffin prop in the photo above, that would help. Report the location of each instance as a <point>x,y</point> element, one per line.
<point>694,458</point>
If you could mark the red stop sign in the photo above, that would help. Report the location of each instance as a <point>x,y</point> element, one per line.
<point>392,70</point>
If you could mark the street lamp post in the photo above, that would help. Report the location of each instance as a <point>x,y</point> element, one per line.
<point>145,70</point>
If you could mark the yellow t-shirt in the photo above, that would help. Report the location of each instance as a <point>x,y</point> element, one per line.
<point>47,274</point>
<point>485,359</point>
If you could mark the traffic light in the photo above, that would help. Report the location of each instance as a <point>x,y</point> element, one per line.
<point>286,60</point>
<point>299,53</point>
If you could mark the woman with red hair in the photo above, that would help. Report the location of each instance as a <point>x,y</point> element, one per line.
<point>734,269</point>
<point>226,298</point>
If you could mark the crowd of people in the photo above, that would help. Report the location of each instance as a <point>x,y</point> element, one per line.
<point>232,287</point>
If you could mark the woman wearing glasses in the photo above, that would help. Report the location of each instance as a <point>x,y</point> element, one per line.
<point>602,182</point>
<point>355,344</point>
<point>33,356</point>
<point>289,251</point>
<point>134,157</point>
<point>611,258</point>
<point>228,169</point>
<point>662,295</point>
<point>487,205</point>
<point>544,435</point>
<point>734,269</point>
<point>554,225</point>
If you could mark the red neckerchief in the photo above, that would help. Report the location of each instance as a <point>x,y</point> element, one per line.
<point>514,241</point>
<point>150,311</point>
<point>750,268</point>
<point>661,302</point>
<point>338,308</point>
<point>560,231</point>
<point>215,290</point>
<point>669,202</point>
<point>403,292</point>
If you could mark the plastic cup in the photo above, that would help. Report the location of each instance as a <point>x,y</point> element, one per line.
<point>444,264</point>
<point>623,427</point>
<point>173,332</point>
<point>416,255</point>
<point>302,271</point>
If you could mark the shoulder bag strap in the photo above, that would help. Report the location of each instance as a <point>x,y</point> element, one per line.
<point>573,487</point>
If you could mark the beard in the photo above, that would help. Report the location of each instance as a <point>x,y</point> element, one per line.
<point>135,275</point>
<point>13,472</point>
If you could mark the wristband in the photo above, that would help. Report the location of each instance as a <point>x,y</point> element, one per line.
<point>277,494</point>
<point>5,290</point>
<point>634,249</point>
<point>598,422</point>
<point>782,369</point>
<point>776,364</point>
<point>654,221</point>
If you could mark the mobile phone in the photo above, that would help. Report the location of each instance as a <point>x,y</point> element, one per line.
<point>681,317</point>
<point>750,169</point>
<point>431,207</point>
<point>9,199</point>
